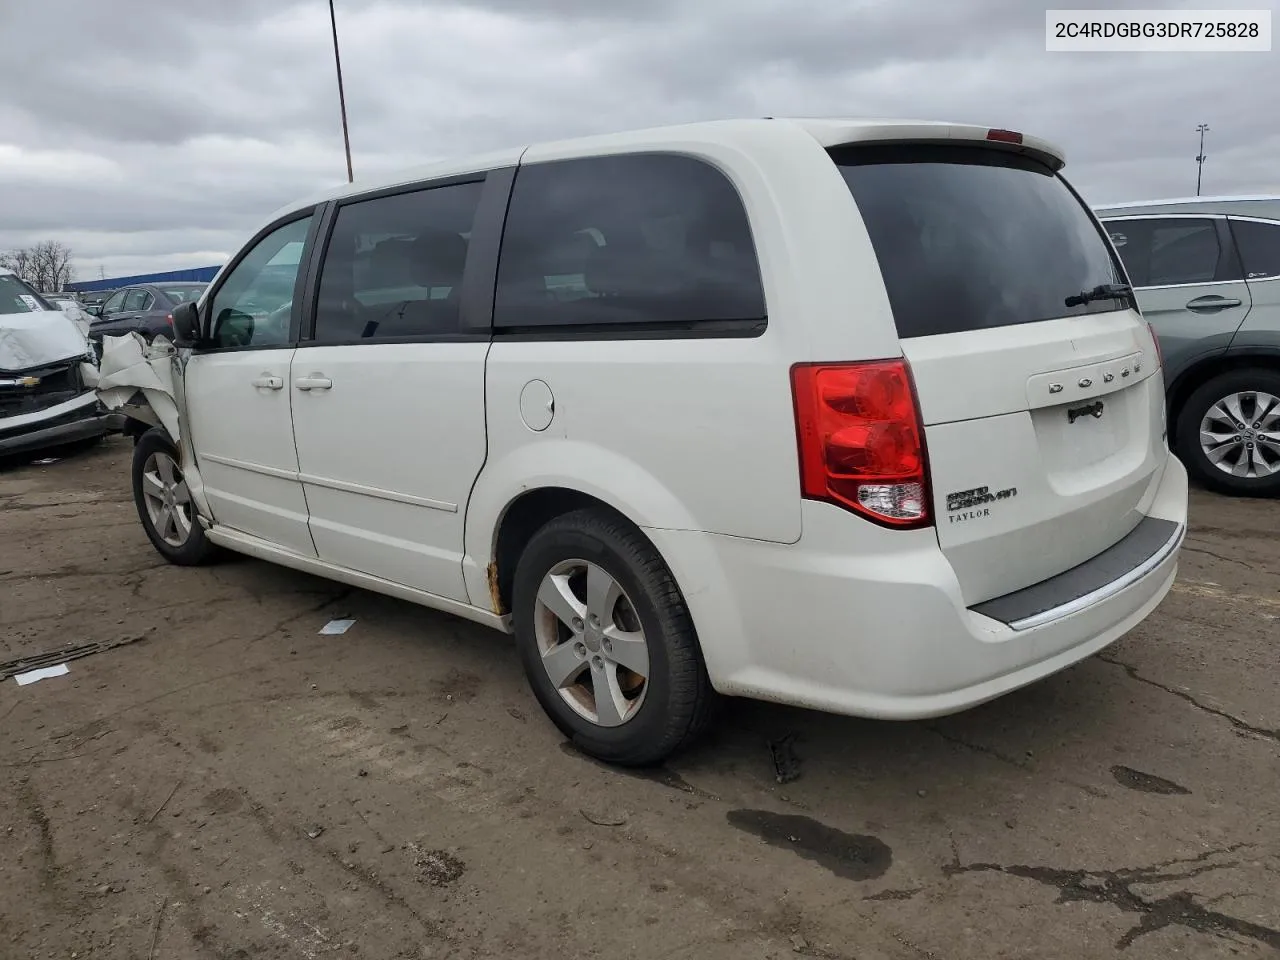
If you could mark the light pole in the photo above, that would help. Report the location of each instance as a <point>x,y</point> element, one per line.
<point>1203,128</point>
<point>342,99</point>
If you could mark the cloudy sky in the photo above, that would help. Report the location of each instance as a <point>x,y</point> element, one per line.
<point>156,134</point>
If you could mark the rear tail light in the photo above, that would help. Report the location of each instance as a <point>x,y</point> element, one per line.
<point>861,441</point>
<point>169,319</point>
<point>1156,341</point>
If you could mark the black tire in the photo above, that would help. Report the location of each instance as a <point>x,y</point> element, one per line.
<point>678,698</point>
<point>196,549</point>
<point>1198,406</point>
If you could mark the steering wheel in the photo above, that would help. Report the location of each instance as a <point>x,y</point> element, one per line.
<point>276,323</point>
<point>233,328</point>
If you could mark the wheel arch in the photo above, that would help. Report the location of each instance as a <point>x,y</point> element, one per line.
<point>523,517</point>
<point>513,498</point>
<point>1192,379</point>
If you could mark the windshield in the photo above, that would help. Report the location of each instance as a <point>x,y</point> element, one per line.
<point>181,293</point>
<point>17,297</point>
<point>970,237</point>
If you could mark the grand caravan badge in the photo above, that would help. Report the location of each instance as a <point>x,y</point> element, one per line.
<point>972,504</point>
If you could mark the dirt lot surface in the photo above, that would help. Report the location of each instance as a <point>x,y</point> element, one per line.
<point>233,785</point>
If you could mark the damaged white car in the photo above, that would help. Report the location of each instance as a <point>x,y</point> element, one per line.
<point>48,374</point>
<point>853,415</point>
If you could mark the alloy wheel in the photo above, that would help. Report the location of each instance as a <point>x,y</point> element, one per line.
<point>167,499</point>
<point>1240,434</point>
<point>591,643</point>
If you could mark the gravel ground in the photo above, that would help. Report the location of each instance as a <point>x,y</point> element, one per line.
<point>229,784</point>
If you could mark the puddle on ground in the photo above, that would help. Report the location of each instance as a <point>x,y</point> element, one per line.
<point>1147,782</point>
<point>847,855</point>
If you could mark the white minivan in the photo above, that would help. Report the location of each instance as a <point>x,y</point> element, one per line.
<point>854,415</point>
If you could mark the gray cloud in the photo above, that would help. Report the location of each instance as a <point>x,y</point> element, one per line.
<point>156,135</point>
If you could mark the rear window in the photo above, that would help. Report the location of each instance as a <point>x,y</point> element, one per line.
<point>969,237</point>
<point>184,293</point>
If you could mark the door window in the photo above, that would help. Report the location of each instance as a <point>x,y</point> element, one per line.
<point>137,300</point>
<point>115,302</point>
<point>627,240</point>
<point>254,306</point>
<point>1259,244</point>
<point>393,267</point>
<point>1170,251</point>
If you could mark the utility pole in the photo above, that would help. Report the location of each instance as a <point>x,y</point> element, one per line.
<point>342,99</point>
<point>1203,128</point>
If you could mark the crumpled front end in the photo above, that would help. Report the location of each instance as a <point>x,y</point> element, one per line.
<point>144,382</point>
<point>47,380</point>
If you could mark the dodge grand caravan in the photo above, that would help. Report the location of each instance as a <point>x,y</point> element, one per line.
<point>859,416</point>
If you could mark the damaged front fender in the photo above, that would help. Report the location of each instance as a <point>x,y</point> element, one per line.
<point>146,382</point>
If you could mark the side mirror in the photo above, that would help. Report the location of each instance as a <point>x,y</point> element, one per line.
<point>186,325</point>
<point>94,309</point>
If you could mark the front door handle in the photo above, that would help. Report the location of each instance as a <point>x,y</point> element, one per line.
<point>268,382</point>
<point>313,382</point>
<point>1212,302</point>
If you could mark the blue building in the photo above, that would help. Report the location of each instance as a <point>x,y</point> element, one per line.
<point>194,275</point>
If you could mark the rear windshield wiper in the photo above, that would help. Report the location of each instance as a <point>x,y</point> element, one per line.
<point>1106,291</point>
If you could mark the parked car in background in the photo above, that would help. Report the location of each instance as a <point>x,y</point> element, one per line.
<point>146,309</point>
<point>94,298</point>
<point>1207,275</point>
<point>855,415</point>
<point>69,305</point>
<point>44,398</point>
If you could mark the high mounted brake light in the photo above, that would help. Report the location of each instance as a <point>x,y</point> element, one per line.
<point>861,440</point>
<point>1004,136</point>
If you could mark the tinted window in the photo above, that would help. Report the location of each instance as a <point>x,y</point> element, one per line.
<point>137,300</point>
<point>969,238</point>
<point>1162,251</point>
<point>1259,245</point>
<point>254,305</point>
<point>639,239</point>
<point>17,297</point>
<point>184,292</point>
<point>115,302</point>
<point>394,265</point>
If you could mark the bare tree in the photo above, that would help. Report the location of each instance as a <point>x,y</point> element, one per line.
<point>51,268</point>
<point>19,261</point>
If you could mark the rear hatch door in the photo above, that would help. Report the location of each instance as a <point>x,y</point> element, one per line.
<point>1040,394</point>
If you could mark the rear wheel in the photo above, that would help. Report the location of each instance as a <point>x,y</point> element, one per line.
<point>607,641</point>
<point>1229,433</point>
<point>164,502</point>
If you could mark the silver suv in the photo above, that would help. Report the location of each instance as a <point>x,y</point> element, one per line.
<point>1207,275</point>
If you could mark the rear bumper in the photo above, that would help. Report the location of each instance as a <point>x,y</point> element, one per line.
<point>78,419</point>
<point>884,632</point>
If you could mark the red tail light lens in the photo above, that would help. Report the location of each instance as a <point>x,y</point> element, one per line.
<point>169,319</point>
<point>1004,136</point>
<point>861,441</point>
<point>1156,341</point>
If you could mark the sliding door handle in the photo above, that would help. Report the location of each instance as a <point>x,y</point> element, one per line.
<point>313,382</point>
